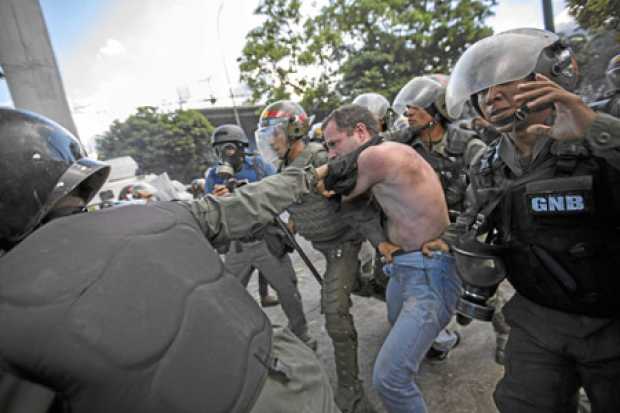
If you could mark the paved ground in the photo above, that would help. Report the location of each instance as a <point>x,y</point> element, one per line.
<point>463,383</point>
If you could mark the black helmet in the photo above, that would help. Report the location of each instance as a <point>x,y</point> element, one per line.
<point>229,134</point>
<point>505,57</point>
<point>40,163</point>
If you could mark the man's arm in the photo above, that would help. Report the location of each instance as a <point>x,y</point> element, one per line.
<point>372,168</point>
<point>251,206</point>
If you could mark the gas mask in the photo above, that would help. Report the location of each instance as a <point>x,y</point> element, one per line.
<point>231,160</point>
<point>481,268</point>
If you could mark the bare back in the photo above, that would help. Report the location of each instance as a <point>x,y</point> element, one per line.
<point>408,190</point>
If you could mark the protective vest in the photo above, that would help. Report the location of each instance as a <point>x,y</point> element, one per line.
<point>561,221</point>
<point>451,164</point>
<point>316,218</point>
<point>129,310</point>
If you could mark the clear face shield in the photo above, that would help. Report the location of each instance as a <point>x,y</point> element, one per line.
<point>498,59</point>
<point>272,142</point>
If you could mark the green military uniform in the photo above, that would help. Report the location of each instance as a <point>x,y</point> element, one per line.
<point>305,389</point>
<point>304,385</point>
<point>334,234</point>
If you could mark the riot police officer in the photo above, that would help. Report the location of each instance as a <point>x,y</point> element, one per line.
<point>379,106</point>
<point>264,252</point>
<point>234,168</point>
<point>282,126</point>
<point>547,196</point>
<point>130,309</point>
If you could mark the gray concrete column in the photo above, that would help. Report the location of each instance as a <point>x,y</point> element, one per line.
<point>29,64</point>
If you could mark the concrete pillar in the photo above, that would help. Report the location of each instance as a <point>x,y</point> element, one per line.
<point>29,64</point>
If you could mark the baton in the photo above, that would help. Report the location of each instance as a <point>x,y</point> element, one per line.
<point>300,251</point>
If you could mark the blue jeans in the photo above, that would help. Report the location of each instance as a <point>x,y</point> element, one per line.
<point>421,295</point>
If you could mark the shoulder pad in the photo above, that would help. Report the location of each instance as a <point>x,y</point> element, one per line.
<point>457,139</point>
<point>319,153</point>
<point>473,150</point>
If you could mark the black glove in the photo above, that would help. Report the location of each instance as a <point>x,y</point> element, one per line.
<point>342,171</point>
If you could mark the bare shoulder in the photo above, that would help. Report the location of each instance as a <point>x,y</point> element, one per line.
<point>388,152</point>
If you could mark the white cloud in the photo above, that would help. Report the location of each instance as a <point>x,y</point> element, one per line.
<point>140,52</point>
<point>112,47</point>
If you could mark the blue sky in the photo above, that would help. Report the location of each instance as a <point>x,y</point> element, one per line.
<point>115,55</point>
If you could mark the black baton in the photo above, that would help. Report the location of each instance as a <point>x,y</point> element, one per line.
<point>301,252</point>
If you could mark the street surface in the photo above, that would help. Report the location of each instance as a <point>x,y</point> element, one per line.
<point>463,383</point>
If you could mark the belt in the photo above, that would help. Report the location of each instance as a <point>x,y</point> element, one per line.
<point>403,252</point>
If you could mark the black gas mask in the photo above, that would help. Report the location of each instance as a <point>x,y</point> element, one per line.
<point>231,160</point>
<point>481,268</point>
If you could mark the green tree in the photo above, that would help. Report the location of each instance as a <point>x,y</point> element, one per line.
<point>352,47</point>
<point>175,142</point>
<point>596,14</point>
<point>382,44</point>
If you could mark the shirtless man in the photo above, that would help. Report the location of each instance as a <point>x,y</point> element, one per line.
<point>423,288</point>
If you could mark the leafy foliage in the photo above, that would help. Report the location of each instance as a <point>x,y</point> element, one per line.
<point>356,46</point>
<point>175,142</point>
<point>596,14</point>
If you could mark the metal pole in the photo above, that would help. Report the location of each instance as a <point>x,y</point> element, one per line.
<point>219,38</point>
<point>548,15</point>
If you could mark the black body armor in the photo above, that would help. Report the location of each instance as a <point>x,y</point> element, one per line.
<point>561,222</point>
<point>129,310</point>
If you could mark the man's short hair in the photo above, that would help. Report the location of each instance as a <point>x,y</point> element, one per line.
<point>348,116</point>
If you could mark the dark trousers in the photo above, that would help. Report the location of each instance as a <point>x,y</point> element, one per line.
<point>545,367</point>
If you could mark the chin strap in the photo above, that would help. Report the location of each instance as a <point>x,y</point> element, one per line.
<point>519,118</point>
